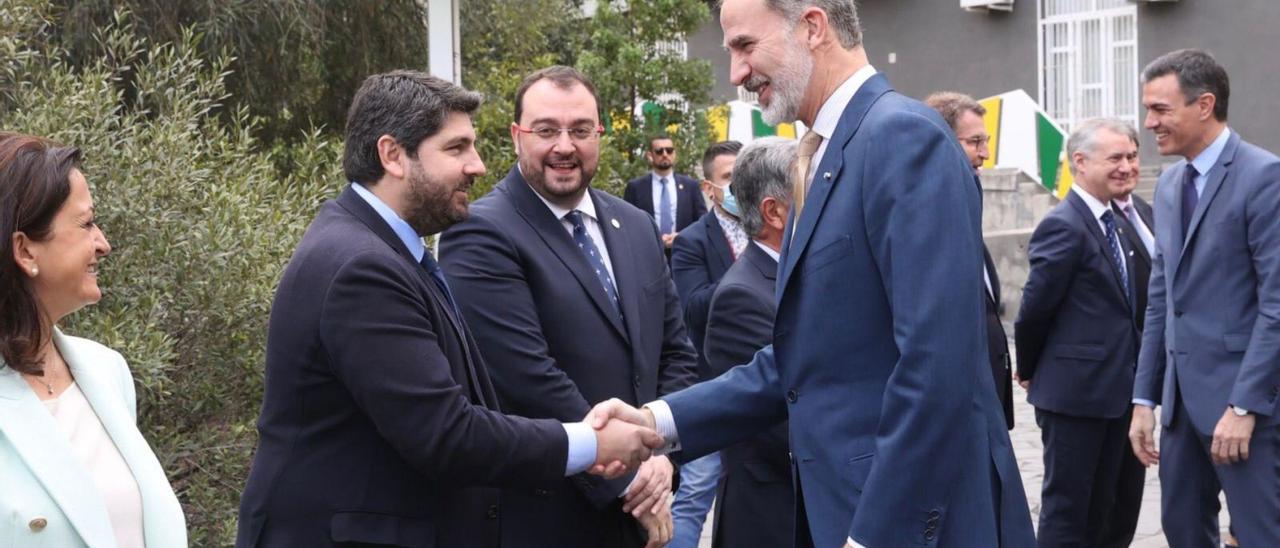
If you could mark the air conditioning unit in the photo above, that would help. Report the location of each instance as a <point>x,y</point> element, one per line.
<point>987,5</point>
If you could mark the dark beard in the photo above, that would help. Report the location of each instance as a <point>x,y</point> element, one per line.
<point>431,204</point>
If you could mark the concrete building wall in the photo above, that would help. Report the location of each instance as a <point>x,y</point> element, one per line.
<point>708,44</point>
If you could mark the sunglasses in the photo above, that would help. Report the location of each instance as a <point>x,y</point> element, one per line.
<point>664,150</point>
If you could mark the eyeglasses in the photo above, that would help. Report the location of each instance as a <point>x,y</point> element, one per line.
<point>977,140</point>
<point>664,150</point>
<point>551,133</point>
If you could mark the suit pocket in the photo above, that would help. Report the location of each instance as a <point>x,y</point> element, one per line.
<point>381,529</point>
<point>1236,342</point>
<point>826,255</point>
<point>859,469</point>
<point>1085,352</point>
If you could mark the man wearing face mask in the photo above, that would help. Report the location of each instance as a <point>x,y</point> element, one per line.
<point>700,256</point>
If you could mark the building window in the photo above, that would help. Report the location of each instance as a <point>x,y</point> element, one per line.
<point>1089,60</point>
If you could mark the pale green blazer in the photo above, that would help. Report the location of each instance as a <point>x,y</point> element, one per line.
<point>42,483</point>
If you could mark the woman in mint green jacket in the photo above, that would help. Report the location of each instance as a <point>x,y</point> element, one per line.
<point>74,469</point>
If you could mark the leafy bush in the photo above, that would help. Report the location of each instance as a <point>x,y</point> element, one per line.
<point>201,221</point>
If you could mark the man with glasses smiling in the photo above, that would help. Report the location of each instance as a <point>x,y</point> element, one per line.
<point>671,198</point>
<point>567,291</point>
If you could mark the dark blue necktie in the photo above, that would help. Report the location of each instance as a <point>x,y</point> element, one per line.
<point>437,274</point>
<point>1117,253</point>
<point>1189,199</point>
<point>664,216</point>
<point>589,250</point>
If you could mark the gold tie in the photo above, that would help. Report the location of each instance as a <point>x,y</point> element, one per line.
<point>804,155</point>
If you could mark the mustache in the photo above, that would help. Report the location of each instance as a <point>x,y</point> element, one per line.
<point>754,83</point>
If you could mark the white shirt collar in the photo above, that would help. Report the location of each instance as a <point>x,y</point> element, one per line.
<point>1209,156</point>
<point>1123,203</point>
<point>586,205</point>
<point>1095,205</point>
<point>833,108</point>
<point>768,250</point>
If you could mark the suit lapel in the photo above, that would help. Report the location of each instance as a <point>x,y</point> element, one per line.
<point>1137,249</point>
<point>827,173</point>
<point>719,240</point>
<point>558,240</point>
<point>1217,175</point>
<point>1104,247</point>
<point>35,436</point>
<point>361,210</point>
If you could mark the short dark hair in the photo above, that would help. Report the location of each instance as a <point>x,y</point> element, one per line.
<point>1198,73</point>
<point>660,135</point>
<point>563,77</point>
<point>723,148</point>
<point>35,180</point>
<point>407,105</point>
<point>951,105</point>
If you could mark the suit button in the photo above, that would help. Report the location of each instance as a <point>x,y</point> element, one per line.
<point>934,515</point>
<point>929,534</point>
<point>493,512</point>
<point>542,492</point>
<point>792,396</point>
<point>38,524</point>
<point>1177,313</point>
<point>636,380</point>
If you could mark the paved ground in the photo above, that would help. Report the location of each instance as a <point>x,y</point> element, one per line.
<point>1028,449</point>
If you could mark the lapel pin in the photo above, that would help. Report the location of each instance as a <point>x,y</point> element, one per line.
<point>616,224</point>
<point>681,187</point>
<point>826,175</point>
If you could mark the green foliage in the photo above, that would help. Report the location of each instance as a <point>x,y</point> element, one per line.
<point>201,223</point>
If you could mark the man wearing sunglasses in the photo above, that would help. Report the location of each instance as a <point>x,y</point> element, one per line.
<point>671,198</point>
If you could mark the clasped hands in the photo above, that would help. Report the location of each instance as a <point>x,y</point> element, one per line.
<point>625,440</point>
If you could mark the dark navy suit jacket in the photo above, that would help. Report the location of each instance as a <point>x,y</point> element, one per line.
<point>379,423</point>
<point>554,344</point>
<point>878,348</point>
<point>690,206</point>
<point>755,501</point>
<point>699,258</point>
<point>1076,334</point>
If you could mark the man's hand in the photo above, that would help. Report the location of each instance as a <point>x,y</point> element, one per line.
<point>658,525</point>
<point>622,446</point>
<point>1142,435</point>
<point>614,408</point>
<point>1231,438</point>
<point>1026,385</point>
<point>651,487</point>
<point>667,239</point>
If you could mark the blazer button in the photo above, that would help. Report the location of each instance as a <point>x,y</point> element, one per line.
<point>38,524</point>
<point>792,396</point>
<point>636,380</point>
<point>930,535</point>
<point>1177,313</point>
<point>934,515</point>
<point>493,512</point>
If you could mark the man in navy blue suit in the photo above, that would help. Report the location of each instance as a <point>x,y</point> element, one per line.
<point>1211,349</point>
<point>1077,341</point>
<point>569,294</point>
<point>672,199</point>
<point>754,498</point>
<point>878,353</point>
<point>379,424</point>
<point>699,258</point>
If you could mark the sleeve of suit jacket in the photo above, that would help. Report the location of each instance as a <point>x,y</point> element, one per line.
<point>1054,252</point>
<point>692,277</point>
<point>1148,381</point>
<point>382,343</point>
<point>1260,368</point>
<point>738,324</point>
<point>489,285</point>
<point>922,218</point>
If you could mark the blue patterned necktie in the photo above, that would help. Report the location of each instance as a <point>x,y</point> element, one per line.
<point>1189,199</point>
<point>1117,253</point>
<point>589,250</point>
<point>664,217</point>
<point>433,268</point>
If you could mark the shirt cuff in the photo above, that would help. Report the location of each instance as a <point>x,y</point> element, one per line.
<point>1144,403</point>
<point>855,544</point>
<point>666,426</point>
<point>582,447</point>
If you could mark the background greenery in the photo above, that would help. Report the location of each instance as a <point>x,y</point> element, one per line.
<point>212,132</point>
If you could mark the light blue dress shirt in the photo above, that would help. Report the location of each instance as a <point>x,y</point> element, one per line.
<point>582,439</point>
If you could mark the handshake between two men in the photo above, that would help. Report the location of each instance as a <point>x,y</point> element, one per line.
<point>626,440</point>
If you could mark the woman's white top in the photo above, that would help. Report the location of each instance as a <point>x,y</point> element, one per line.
<point>111,475</point>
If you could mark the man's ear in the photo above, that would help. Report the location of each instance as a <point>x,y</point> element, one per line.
<point>392,156</point>
<point>1206,101</point>
<point>816,26</point>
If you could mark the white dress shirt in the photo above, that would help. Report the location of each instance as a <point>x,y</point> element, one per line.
<point>657,197</point>
<point>589,219</point>
<point>1097,208</point>
<point>1144,232</point>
